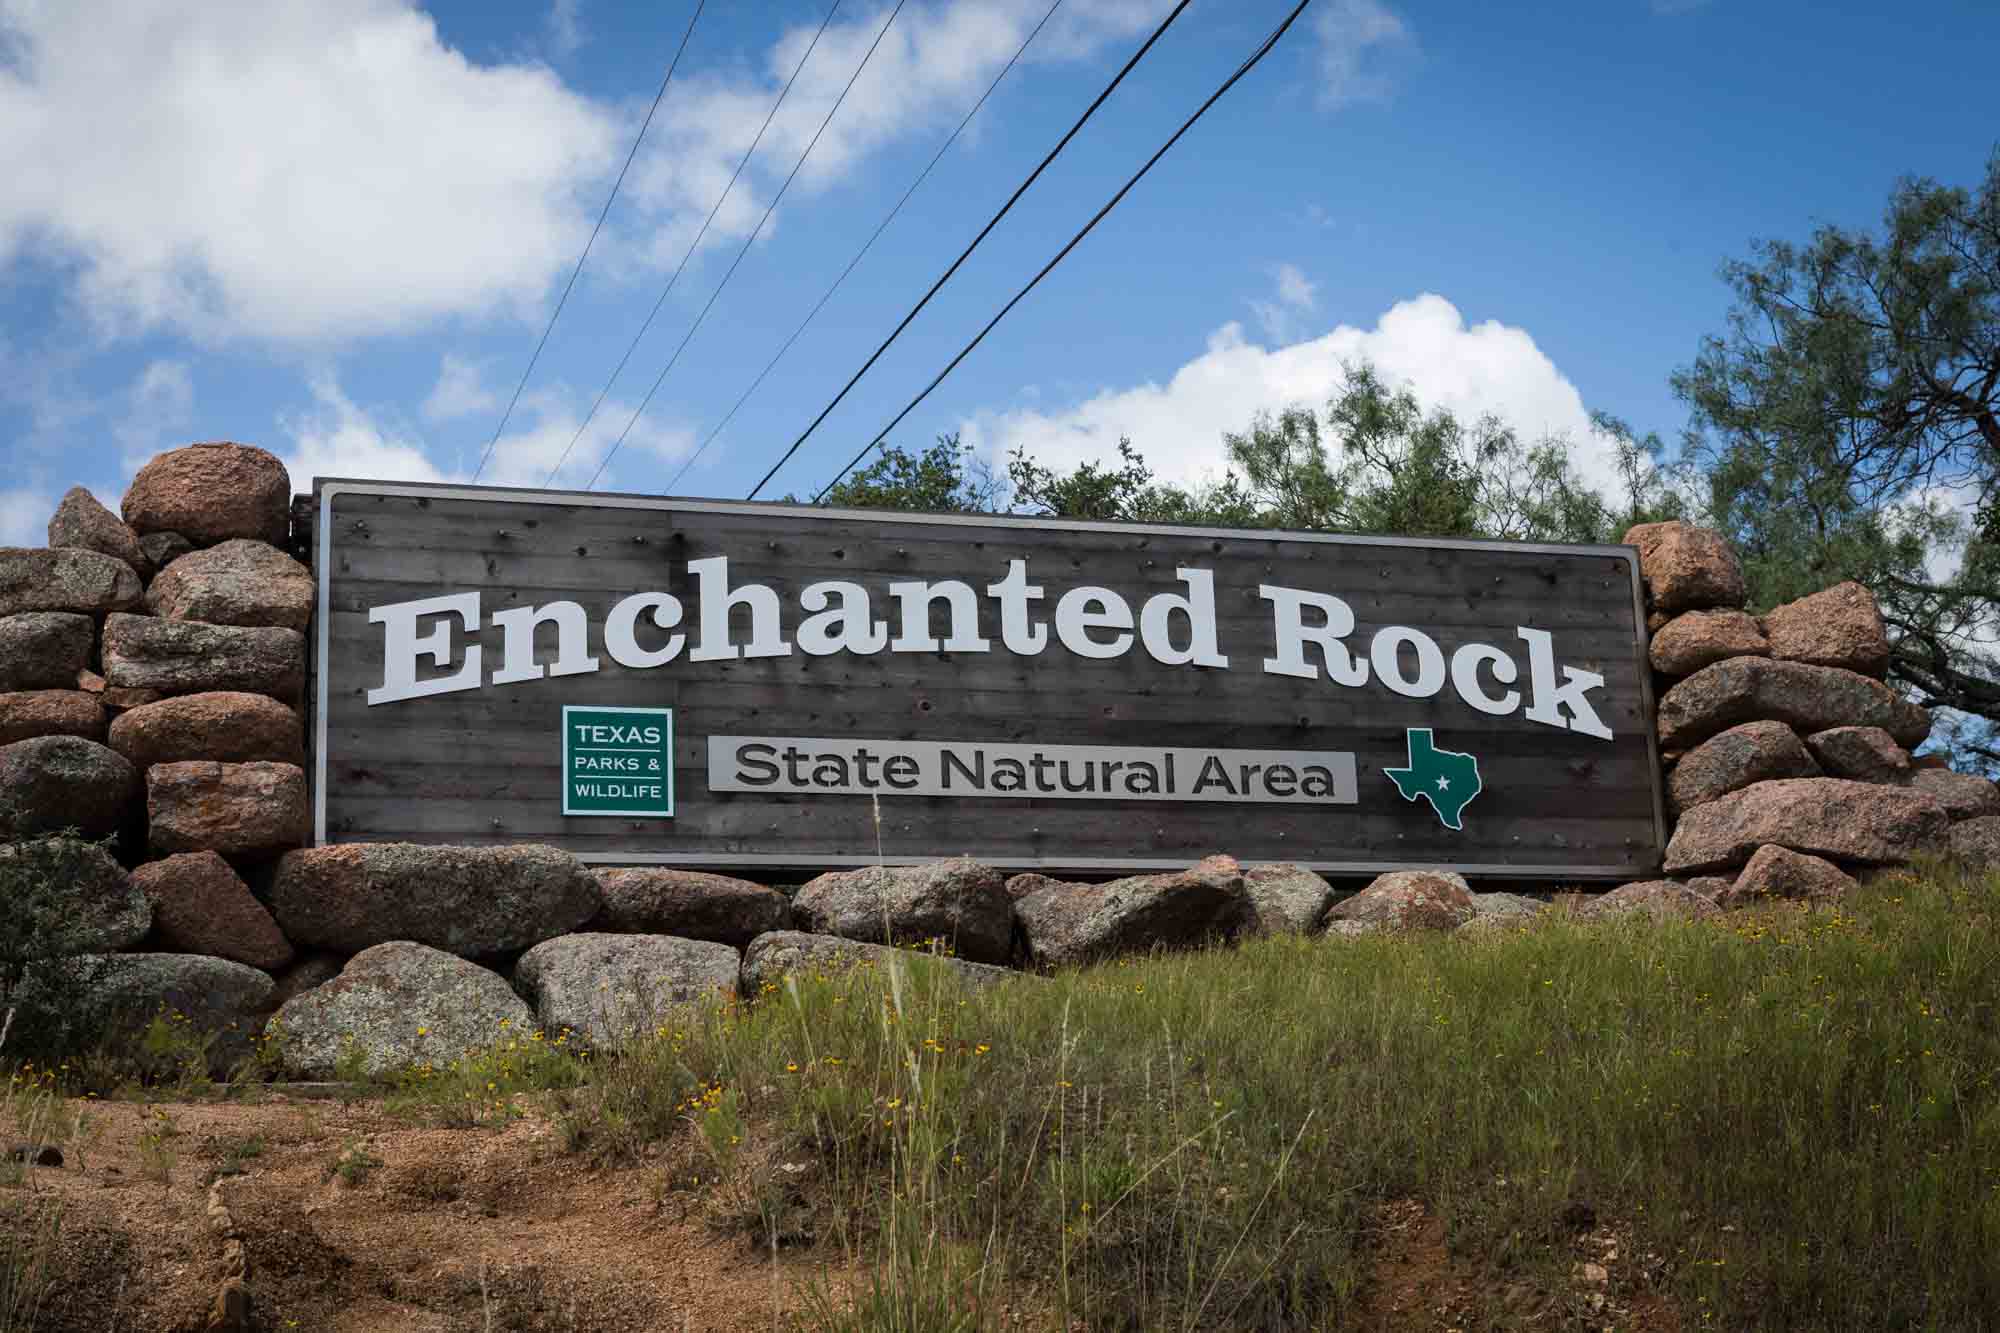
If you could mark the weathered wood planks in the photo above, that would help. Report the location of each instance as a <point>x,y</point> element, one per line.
<point>484,764</point>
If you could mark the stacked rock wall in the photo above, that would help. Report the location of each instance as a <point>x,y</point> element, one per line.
<point>152,677</point>
<point>437,933</point>
<point>152,680</point>
<point>1787,758</point>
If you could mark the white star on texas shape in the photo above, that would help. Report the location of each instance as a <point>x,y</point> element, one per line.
<point>1444,784</point>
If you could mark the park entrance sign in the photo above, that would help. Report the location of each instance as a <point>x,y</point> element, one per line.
<point>646,681</point>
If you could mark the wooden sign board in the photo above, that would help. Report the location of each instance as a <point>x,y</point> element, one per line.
<point>649,681</point>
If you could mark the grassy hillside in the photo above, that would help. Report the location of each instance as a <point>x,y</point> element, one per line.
<point>1785,1119</point>
<point>1775,1120</point>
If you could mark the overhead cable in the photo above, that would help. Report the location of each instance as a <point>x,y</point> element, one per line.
<point>1248,64</point>
<point>966,253</point>
<point>860,254</point>
<point>695,244</point>
<point>603,213</point>
<point>748,241</point>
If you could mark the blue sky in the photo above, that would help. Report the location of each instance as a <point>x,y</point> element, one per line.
<point>335,228</point>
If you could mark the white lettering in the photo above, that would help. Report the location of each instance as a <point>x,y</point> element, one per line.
<point>1177,626</point>
<point>402,646</point>
<point>517,656</point>
<point>622,641</point>
<point>914,634</point>
<point>766,636</point>
<point>1082,610</point>
<point>1465,678</point>
<point>1550,701</point>
<point>839,628</point>
<point>1155,622</point>
<point>1293,635</point>
<point>1015,592</point>
<point>1385,654</point>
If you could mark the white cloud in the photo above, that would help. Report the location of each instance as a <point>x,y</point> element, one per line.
<point>1295,289</point>
<point>928,69</point>
<point>460,391</point>
<point>1424,343</point>
<point>1947,508</point>
<point>565,29</point>
<point>285,168</point>
<point>320,169</point>
<point>24,517</point>
<point>160,402</point>
<point>527,456</point>
<point>336,437</point>
<point>1296,295</point>
<point>1356,39</point>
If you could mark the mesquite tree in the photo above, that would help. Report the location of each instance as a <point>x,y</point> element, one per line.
<point>1848,426</point>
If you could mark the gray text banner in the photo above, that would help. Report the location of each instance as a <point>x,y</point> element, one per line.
<point>844,766</point>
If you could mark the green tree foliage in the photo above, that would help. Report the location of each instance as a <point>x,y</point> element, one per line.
<point>1848,427</point>
<point>946,478</point>
<point>1395,468</point>
<point>1376,461</point>
<point>1129,492</point>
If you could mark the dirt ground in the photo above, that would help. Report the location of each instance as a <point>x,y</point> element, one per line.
<point>172,1213</point>
<point>1419,1284</point>
<point>428,1231</point>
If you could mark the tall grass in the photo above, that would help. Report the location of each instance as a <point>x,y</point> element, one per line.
<point>30,1230</point>
<point>34,1115</point>
<point>1795,1110</point>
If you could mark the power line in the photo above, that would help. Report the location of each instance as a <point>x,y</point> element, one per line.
<point>1249,63</point>
<point>694,245</point>
<point>860,254</point>
<point>602,214</point>
<point>992,222</point>
<point>748,241</point>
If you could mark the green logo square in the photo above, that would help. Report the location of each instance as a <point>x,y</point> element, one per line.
<point>618,762</point>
